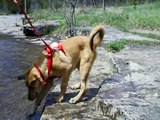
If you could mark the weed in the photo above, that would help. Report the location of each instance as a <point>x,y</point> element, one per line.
<point>116,46</point>
<point>145,16</point>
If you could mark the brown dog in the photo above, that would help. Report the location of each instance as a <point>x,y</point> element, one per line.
<point>80,53</point>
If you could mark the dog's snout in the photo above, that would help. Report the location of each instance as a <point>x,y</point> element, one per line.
<point>32,97</point>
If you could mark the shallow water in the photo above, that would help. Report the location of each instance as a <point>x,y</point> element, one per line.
<point>16,55</point>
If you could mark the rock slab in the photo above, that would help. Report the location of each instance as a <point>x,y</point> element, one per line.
<point>132,93</point>
<point>43,28</point>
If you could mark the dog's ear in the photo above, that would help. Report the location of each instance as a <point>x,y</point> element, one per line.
<point>21,77</point>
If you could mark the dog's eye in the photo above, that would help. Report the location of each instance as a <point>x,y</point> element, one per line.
<point>33,83</point>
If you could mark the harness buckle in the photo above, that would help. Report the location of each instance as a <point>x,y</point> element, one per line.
<point>55,49</point>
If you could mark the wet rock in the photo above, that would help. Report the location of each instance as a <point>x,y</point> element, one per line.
<point>84,31</point>
<point>93,110</point>
<point>43,28</point>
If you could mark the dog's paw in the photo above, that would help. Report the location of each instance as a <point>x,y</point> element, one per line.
<point>76,86</point>
<point>73,101</point>
<point>60,99</point>
<point>31,114</point>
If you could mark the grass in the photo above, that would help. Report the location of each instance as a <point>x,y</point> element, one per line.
<point>116,46</point>
<point>96,16</point>
<point>148,35</point>
<point>145,16</point>
<point>46,14</point>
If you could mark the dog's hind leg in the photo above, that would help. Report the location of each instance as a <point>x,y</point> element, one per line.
<point>84,72</point>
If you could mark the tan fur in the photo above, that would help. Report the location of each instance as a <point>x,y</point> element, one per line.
<point>80,53</point>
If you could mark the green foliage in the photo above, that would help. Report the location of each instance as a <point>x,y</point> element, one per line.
<point>145,16</point>
<point>9,7</point>
<point>46,14</point>
<point>116,46</point>
<point>96,16</point>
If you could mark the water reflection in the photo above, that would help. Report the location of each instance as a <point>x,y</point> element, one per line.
<point>15,57</point>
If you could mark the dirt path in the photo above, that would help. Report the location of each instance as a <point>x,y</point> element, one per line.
<point>113,34</point>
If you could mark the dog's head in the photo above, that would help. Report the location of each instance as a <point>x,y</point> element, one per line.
<point>33,82</point>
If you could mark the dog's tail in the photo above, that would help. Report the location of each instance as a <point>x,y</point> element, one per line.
<point>96,36</point>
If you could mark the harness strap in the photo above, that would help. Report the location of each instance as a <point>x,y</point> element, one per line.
<point>50,61</point>
<point>40,72</point>
<point>60,47</point>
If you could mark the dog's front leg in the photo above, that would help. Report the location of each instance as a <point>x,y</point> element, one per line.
<point>76,86</point>
<point>42,94</point>
<point>64,85</point>
<point>33,111</point>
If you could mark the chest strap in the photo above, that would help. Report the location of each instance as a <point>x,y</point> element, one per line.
<point>50,60</point>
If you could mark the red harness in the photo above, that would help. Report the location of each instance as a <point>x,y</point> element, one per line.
<point>48,48</point>
<point>59,47</point>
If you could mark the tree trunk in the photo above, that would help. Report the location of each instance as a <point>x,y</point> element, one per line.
<point>70,17</point>
<point>5,6</point>
<point>134,4</point>
<point>93,3</point>
<point>104,6</point>
<point>25,6</point>
<point>34,5</point>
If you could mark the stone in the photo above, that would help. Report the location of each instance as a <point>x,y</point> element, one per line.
<point>131,93</point>
<point>43,28</point>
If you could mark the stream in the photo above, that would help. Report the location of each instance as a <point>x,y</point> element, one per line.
<point>16,55</point>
